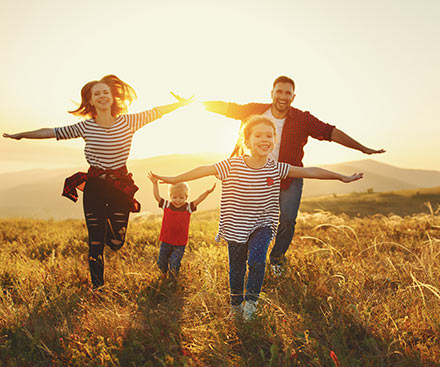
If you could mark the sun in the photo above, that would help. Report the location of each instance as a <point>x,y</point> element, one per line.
<point>189,130</point>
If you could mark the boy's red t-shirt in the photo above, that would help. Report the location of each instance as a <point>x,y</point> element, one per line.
<point>175,222</point>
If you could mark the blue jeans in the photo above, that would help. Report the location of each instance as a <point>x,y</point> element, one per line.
<point>254,251</point>
<point>289,205</point>
<point>170,257</point>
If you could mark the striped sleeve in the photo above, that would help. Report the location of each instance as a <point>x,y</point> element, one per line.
<point>223,169</point>
<point>70,131</point>
<point>283,169</point>
<point>137,120</point>
<point>192,207</point>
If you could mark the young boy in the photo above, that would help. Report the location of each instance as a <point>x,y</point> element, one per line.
<point>175,223</point>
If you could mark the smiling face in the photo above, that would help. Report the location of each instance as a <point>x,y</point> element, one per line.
<point>282,97</point>
<point>101,96</point>
<point>178,197</point>
<point>261,140</point>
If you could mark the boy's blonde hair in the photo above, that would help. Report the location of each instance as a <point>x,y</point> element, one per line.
<point>179,187</point>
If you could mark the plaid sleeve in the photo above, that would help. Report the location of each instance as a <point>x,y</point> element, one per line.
<point>137,120</point>
<point>318,129</point>
<point>283,169</point>
<point>223,168</point>
<point>70,131</point>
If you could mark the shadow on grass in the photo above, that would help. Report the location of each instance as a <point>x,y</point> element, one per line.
<point>323,327</point>
<point>155,337</point>
<point>38,340</point>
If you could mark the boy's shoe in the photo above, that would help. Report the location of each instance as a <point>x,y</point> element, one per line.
<point>250,310</point>
<point>277,270</point>
<point>236,312</point>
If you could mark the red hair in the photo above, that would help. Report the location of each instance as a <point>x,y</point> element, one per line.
<point>122,93</point>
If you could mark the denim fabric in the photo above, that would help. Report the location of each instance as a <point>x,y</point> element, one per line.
<point>253,252</point>
<point>106,211</point>
<point>289,205</point>
<point>170,257</point>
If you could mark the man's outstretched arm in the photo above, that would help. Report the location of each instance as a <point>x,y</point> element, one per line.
<point>342,138</point>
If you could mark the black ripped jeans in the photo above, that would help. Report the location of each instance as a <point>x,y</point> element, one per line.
<point>106,210</point>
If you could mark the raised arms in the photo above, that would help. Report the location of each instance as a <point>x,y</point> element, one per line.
<point>203,196</point>
<point>154,181</point>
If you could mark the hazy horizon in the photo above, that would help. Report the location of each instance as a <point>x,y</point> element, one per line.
<point>370,68</point>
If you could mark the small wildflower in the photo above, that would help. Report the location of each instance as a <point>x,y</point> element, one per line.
<point>335,359</point>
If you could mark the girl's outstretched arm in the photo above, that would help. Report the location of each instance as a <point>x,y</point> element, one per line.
<point>45,133</point>
<point>193,174</point>
<point>322,174</point>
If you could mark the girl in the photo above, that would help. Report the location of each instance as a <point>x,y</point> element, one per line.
<point>108,187</point>
<point>249,207</point>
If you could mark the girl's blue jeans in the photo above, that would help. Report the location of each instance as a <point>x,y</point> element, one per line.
<point>253,252</point>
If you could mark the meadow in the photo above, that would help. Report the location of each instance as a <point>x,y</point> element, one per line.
<point>359,290</point>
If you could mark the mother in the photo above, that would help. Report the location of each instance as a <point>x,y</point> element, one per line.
<point>108,187</point>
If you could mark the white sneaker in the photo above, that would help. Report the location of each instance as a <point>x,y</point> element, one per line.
<point>250,310</point>
<point>236,312</point>
<point>277,270</point>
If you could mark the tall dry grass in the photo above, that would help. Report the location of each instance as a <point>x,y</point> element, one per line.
<point>357,291</point>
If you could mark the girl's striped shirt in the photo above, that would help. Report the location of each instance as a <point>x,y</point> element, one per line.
<point>250,197</point>
<point>108,147</point>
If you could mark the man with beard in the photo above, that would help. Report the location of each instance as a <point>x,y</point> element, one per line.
<point>293,129</point>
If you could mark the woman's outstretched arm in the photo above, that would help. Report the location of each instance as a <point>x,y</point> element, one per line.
<point>45,133</point>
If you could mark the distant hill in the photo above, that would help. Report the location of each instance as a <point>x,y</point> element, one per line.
<point>37,193</point>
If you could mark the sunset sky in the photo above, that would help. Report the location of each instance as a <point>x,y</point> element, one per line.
<point>369,67</point>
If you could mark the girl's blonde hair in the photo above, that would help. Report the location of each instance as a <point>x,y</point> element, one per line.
<point>181,186</point>
<point>246,131</point>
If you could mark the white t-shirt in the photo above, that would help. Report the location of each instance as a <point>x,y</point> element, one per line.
<point>279,123</point>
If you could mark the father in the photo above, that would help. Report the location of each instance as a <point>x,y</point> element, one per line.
<point>293,129</point>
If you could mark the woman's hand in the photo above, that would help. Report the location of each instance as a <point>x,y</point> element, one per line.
<point>13,136</point>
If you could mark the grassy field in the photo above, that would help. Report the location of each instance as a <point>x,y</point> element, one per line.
<point>358,291</point>
<point>403,202</point>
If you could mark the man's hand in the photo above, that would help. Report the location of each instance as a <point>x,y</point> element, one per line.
<point>373,151</point>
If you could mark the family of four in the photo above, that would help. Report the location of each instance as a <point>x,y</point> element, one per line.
<point>261,181</point>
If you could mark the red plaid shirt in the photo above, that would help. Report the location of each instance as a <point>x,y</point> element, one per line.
<point>119,178</point>
<point>298,127</point>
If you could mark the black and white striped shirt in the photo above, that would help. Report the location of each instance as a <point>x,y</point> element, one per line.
<point>250,197</point>
<point>108,147</point>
